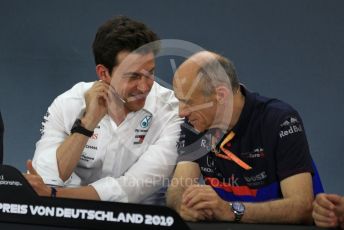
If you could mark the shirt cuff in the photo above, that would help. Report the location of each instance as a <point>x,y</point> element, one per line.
<point>109,189</point>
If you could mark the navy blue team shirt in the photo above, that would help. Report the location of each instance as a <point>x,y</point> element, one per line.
<point>269,137</point>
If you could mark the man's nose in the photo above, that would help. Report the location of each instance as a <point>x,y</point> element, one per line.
<point>144,84</point>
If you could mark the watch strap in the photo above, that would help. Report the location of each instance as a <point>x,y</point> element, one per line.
<point>77,128</point>
<point>53,192</point>
<point>237,214</point>
<point>237,217</point>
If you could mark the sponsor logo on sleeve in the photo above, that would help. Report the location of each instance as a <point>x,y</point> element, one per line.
<point>45,119</point>
<point>290,126</point>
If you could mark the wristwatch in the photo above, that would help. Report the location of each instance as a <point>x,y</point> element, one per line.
<point>53,192</point>
<point>77,128</point>
<point>238,209</point>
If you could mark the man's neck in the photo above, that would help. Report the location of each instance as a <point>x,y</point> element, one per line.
<point>238,106</point>
<point>230,115</point>
<point>118,112</point>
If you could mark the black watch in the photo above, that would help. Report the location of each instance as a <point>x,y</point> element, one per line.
<point>77,128</point>
<point>238,209</point>
<point>53,192</point>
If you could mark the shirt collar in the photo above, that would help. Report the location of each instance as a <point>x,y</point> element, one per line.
<point>150,103</point>
<point>246,112</point>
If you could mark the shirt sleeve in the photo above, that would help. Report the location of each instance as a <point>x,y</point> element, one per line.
<point>151,171</point>
<point>53,134</point>
<point>292,150</point>
<point>56,126</point>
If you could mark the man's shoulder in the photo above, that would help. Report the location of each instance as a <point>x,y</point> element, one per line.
<point>273,115</point>
<point>77,91</point>
<point>272,108</point>
<point>73,100</point>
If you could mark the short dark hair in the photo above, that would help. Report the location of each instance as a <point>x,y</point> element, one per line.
<point>120,34</point>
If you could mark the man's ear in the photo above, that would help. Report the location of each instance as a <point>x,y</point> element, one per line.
<point>103,73</point>
<point>222,94</point>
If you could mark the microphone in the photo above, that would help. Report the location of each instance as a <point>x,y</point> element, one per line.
<point>114,92</point>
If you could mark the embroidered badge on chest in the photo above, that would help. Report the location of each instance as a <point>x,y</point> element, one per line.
<point>142,129</point>
<point>146,122</point>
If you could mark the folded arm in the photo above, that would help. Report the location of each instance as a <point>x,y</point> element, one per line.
<point>186,175</point>
<point>294,208</point>
<point>146,176</point>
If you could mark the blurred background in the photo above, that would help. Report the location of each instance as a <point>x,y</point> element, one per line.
<point>292,50</point>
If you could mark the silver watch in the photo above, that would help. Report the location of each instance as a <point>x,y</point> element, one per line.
<point>238,209</point>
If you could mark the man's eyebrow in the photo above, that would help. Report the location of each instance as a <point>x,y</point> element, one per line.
<point>131,73</point>
<point>137,73</point>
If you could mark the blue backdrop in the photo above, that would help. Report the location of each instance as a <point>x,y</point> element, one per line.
<point>292,50</point>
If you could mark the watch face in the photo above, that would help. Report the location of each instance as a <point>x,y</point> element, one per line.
<point>238,206</point>
<point>76,124</point>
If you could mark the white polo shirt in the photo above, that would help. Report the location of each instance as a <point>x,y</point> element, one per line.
<point>125,163</point>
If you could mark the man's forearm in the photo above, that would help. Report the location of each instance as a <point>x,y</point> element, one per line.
<point>174,197</point>
<point>175,201</point>
<point>68,154</point>
<point>288,210</point>
<point>185,175</point>
<point>85,192</point>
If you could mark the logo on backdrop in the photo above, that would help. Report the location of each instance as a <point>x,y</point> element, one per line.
<point>4,182</point>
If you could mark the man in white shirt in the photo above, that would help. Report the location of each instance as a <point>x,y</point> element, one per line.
<point>113,139</point>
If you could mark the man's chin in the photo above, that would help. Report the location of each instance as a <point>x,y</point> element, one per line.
<point>135,105</point>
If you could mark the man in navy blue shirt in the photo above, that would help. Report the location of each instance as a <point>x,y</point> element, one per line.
<point>251,150</point>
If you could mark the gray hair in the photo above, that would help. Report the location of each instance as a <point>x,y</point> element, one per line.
<point>215,71</point>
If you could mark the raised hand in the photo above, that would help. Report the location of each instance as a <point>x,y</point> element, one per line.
<point>97,100</point>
